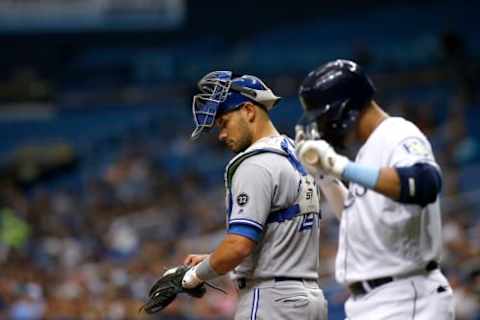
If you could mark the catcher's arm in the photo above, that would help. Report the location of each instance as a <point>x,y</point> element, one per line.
<point>187,279</point>
<point>229,254</point>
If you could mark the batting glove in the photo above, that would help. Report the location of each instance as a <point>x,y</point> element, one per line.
<point>312,169</point>
<point>319,156</point>
<point>299,143</point>
<point>190,279</point>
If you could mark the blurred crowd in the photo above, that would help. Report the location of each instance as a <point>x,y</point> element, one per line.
<point>94,254</point>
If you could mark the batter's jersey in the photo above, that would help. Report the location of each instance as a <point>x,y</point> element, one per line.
<point>273,201</point>
<point>380,237</point>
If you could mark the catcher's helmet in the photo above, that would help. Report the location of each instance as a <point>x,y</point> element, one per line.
<point>332,97</point>
<point>221,91</point>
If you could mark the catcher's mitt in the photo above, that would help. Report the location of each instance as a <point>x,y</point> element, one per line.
<point>165,290</point>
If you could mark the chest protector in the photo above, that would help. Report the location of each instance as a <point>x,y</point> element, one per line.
<point>307,201</point>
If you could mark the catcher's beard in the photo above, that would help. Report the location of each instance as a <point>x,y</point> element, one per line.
<point>245,138</point>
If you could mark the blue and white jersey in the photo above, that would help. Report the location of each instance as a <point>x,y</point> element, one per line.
<point>380,237</point>
<point>273,201</point>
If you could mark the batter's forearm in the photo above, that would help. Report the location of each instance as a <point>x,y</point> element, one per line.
<point>417,184</point>
<point>388,183</point>
<point>383,180</point>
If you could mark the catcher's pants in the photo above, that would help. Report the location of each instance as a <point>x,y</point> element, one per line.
<point>281,300</point>
<point>420,297</point>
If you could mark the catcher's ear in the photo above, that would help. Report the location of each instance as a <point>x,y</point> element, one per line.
<point>250,112</point>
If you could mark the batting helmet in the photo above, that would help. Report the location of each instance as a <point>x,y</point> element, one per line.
<point>221,91</point>
<point>332,97</point>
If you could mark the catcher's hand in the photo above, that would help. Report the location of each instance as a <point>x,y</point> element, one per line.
<point>165,290</point>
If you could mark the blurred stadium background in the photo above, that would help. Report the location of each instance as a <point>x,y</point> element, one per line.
<point>100,186</point>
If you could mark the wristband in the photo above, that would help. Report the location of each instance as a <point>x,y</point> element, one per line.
<point>361,174</point>
<point>205,272</point>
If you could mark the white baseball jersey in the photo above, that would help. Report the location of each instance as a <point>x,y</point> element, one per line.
<point>380,237</point>
<point>273,201</point>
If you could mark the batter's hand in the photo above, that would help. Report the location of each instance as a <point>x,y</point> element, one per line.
<point>193,259</point>
<point>322,158</point>
<point>299,143</point>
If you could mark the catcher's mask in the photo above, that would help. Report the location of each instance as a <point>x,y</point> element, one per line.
<point>221,91</point>
<point>332,97</point>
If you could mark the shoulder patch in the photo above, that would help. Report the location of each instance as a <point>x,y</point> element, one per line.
<point>416,147</point>
<point>242,199</point>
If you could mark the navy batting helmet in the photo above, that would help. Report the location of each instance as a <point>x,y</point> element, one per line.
<point>332,97</point>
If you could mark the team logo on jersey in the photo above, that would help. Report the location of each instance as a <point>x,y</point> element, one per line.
<point>355,191</point>
<point>242,199</point>
<point>416,147</point>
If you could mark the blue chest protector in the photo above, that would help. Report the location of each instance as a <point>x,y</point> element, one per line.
<point>283,214</point>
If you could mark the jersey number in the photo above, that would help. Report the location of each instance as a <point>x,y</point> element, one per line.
<point>309,194</point>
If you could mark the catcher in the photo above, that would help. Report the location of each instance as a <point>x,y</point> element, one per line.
<point>273,213</point>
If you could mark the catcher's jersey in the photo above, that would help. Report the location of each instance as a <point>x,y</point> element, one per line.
<point>380,237</point>
<point>272,200</point>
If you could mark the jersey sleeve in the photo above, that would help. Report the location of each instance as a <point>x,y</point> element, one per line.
<point>411,150</point>
<point>252,193</point>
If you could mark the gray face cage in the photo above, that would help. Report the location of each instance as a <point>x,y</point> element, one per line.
<point>214,88</point>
